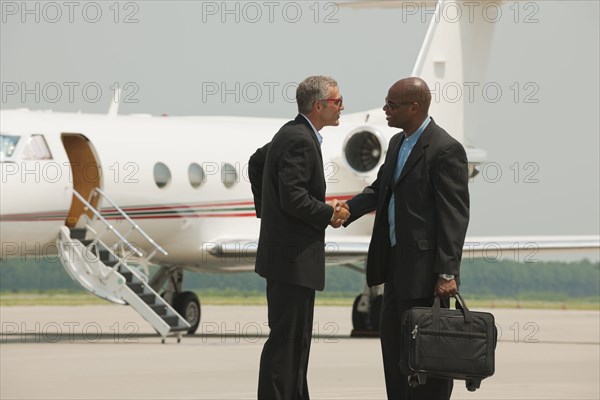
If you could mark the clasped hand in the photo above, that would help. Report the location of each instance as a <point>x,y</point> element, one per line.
<point>341,212</point>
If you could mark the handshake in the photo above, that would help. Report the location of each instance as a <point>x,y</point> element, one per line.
<point>341,212</point>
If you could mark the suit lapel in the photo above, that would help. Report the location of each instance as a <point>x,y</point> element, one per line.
<point>418,151</point>
<point>309,131</point>
<point>393,154</point>
<point>415,155</point>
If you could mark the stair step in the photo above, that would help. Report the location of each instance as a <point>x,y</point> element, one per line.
<point>106,256</point>
<point>86,242</point>
<point>126,274</point>
<point>171,320</point>
<point>148,298</point>
<point>159,309</point>
<point>136,287</point>
<point>78,233</point>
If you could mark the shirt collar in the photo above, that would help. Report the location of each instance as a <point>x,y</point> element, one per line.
<point>317,134</point>
<point>412,139</point>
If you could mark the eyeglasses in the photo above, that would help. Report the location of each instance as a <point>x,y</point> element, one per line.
<point>337,102</point>
<point>393,106</point>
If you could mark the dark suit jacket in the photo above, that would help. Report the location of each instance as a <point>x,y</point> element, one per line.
<point>432,213</point>
<point>256,166</point>
<point>293,211</point>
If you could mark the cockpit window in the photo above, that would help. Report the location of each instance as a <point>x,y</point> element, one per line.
<point>7,145</point>
<point>36,148</point>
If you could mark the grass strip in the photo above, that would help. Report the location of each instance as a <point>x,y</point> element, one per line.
<point>216,297</point>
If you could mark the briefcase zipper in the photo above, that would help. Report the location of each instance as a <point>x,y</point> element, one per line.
<point>415,331</point>
<point>479,335</point>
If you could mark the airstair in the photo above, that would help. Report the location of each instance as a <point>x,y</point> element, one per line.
<point>117,272</point>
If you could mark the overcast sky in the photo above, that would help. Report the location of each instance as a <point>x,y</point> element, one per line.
<point>542,135</point>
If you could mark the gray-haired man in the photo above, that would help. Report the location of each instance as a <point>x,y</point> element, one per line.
<point>288,183</point>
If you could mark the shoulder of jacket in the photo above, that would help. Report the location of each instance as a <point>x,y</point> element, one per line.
<point>446,144</point>
<point>289,139</point>
<point>441,136</point>
<point>396,138</point>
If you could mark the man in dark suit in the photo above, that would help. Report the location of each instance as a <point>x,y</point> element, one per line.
<point>291,254</point>
<point>422,203</point>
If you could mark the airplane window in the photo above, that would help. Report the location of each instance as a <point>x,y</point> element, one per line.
<point>196,175</point>
<point>229,175</point>
<point>7,145</point>
<point>162,175</point>
<point>36,148</point>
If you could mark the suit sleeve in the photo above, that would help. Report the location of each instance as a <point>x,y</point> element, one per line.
<point>295,175</point>
<point>256,166</point>
<point>452,207</point>
<point>366,201</point>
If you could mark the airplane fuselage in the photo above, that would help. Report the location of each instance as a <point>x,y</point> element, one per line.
<point>184,180</point>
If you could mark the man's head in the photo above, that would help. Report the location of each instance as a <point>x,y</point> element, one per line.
<point>319,99</point>
<point>407,104</point>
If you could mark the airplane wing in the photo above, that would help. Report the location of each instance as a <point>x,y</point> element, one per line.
<point>349,249</point>
<point>343,246</point>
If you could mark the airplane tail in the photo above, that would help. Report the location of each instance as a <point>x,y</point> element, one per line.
<point>453,59</point>
<point>114,104</point>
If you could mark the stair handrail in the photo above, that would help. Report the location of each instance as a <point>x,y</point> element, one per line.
<point>95,271</point>
<point>114,268</point>
<point>135,225</point>
<point>105,222</point>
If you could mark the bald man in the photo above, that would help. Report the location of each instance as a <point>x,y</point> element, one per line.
<point>422,203</point>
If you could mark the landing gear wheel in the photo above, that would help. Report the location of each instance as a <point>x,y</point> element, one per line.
<point>187,305</point>
<point>359,319</point>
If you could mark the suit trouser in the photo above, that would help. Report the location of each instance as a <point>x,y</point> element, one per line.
<point>390,333</point>
<point>284,359</point>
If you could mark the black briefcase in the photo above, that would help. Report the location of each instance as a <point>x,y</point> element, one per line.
<point>443,343</point>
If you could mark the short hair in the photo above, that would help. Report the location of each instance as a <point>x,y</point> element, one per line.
<point>312,89</point>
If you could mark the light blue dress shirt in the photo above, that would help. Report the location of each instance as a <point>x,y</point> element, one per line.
<point>317,134</point>
<point>407,145</point>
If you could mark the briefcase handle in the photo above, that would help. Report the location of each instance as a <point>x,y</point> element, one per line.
<point>460,301</point>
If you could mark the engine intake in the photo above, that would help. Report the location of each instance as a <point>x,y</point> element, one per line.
<point>363,151</point>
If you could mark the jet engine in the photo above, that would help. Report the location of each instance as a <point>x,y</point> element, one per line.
<point>363,150</point>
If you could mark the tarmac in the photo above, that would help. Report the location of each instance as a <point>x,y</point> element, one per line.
<point>110,352</point>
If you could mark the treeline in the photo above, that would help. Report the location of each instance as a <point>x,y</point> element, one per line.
<point>542,280</point>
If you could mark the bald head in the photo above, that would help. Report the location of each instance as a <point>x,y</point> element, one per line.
<point>411,90</point>
<point>407,104</point>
